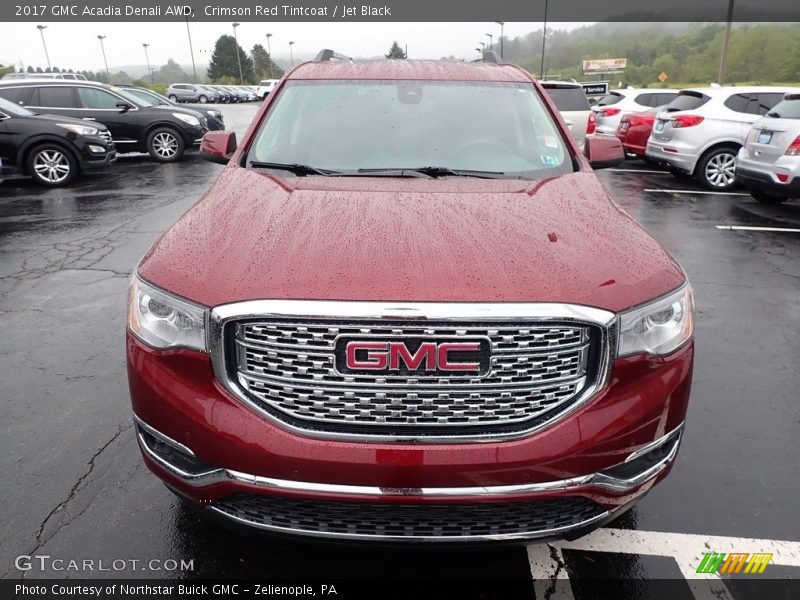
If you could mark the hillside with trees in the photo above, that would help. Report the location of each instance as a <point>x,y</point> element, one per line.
<point>763,53</point>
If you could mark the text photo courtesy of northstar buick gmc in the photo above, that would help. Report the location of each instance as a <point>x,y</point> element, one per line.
<point>408,310</point>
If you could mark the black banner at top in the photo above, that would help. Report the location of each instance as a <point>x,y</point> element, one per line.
<point>401,10</point>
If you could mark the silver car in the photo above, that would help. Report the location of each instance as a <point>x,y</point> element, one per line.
<point>188,92</point>
<point>769,162</point>
<point>700,132</point>
<point>571,102</point>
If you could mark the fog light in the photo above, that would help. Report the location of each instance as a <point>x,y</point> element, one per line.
<point>96,149</point>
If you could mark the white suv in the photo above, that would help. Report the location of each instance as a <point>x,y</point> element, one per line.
<point>571,102</point>
<point>700,132</point>
<point>265,86</point>
<point>610,108</point>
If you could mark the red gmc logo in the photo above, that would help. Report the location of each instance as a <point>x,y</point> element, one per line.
<point>468,357</point>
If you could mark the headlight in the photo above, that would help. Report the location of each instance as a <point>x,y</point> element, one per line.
<point>216,114</point>
<point>659,327</point>
<point>162,320</point>
<point>79,129</point>
<point>189,119</point>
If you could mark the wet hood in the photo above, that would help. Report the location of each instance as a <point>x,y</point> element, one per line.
<point>467,240</point>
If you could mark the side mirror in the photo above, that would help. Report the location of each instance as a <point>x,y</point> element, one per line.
<point>218,146</point>
<point>124,107</point>
<point>604,151</point>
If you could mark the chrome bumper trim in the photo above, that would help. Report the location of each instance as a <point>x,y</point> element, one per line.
<point>266,484</point>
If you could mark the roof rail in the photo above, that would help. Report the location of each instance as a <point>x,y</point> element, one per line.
<point>327,54</point>
<point>490,56</point>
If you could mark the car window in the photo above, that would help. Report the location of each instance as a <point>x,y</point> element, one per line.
<point>786,109</point>
<point>97,99</point>
<point>56,97</point>
<point>738,102</point>
<point>13,109</point>
<point>372,124</point>
<point>568,98</point>
<point>663,98</point>
<point>146,98</point>
<point>609,99</point>
<point>766,100</point>
<point>687,100</point>
<point>17,95</point>
<point>644,99</point>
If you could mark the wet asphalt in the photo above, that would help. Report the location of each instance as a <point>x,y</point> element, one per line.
<point>75,486</point>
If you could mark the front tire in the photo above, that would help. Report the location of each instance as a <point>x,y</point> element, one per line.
<point>715,171</point>
<point>203,99</point>
<point>173,97</point>
<point>52,165</point>
<point>165,144</point>
<point>766,198</point>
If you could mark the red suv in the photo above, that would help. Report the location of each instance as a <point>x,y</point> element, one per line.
<point>408,310</point>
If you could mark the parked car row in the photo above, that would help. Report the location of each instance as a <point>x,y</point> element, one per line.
<point>54,129</point>
<point>723,137</point>
<point>190,92</point>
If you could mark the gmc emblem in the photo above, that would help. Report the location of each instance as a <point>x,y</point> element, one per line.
<point>413,356</point>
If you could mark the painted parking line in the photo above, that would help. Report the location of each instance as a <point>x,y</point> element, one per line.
<point>687,549</point>
<point>754,228</point>
<point>650,171</point>
<point>701,192</point>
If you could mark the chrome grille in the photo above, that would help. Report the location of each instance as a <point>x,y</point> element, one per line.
<point>105,134</point>
<point>410,521</point>
<point>287,368</point>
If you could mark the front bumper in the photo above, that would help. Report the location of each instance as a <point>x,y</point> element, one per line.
<point>581,471</point>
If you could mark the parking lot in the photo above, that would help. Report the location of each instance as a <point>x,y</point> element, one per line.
<point>79,489</point>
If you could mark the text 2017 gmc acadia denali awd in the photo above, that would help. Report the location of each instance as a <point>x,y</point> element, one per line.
<point>408,310</point>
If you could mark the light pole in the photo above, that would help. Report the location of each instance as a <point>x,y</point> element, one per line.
<point>103,48</point>
<point>147,58</point>
<point>501,37</point>
<point>191,51</point>
<point>489,35</point>
<point>483,48</point>
<point>291,54</point>
<point>269,52</point>
<point>723,59</point>
<point>480,51</point>
<point>41,29</point>
<point>544,39</point>
<point>238,58</point>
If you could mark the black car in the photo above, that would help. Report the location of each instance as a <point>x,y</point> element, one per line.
<point>51,149</point>
<point>212,115</point>
<point>135,127</point>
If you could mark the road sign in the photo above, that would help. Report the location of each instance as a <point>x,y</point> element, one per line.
<point>605,65</point>
<point>662,77</point>
<point>595,88</point>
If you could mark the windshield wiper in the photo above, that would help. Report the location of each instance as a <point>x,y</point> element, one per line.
<point>441,172</point>
<point>773,114</point>
<point>295,168</point>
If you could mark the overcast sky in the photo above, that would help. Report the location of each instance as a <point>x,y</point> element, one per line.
<point>75,45</point>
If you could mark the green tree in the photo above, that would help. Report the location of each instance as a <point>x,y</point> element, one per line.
<point>396,51</point>
<point>263,66</point>
<point>224,64</point>
<point>170,73</point>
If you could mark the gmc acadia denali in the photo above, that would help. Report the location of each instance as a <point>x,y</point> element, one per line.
<point>408,310</point>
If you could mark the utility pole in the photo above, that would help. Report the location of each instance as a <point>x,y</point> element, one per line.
<point>489,35</point>
<point>544,40</point>
<point>191,50</point>
<point>269,51</point>
<point>238,58</point>
<point>103,48</point>
<point>291,54</point>
<point>501,37</point>
<point>41,29</point>
<point>147,58</point>
<point>723,59</point>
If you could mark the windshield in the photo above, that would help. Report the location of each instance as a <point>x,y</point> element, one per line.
<point>136,101</point>
<point>610,99</point>
<point>148,98</point>
<point>14,110</point>
<point>502,128</point>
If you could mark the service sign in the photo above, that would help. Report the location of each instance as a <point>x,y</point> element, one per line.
<point>595,88</point>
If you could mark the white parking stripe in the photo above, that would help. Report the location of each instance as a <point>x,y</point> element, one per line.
<point>702,192</point>
<point>686,548</point>
<point>753,228</point>
<point>546,562</point>
<point>614,170</point>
